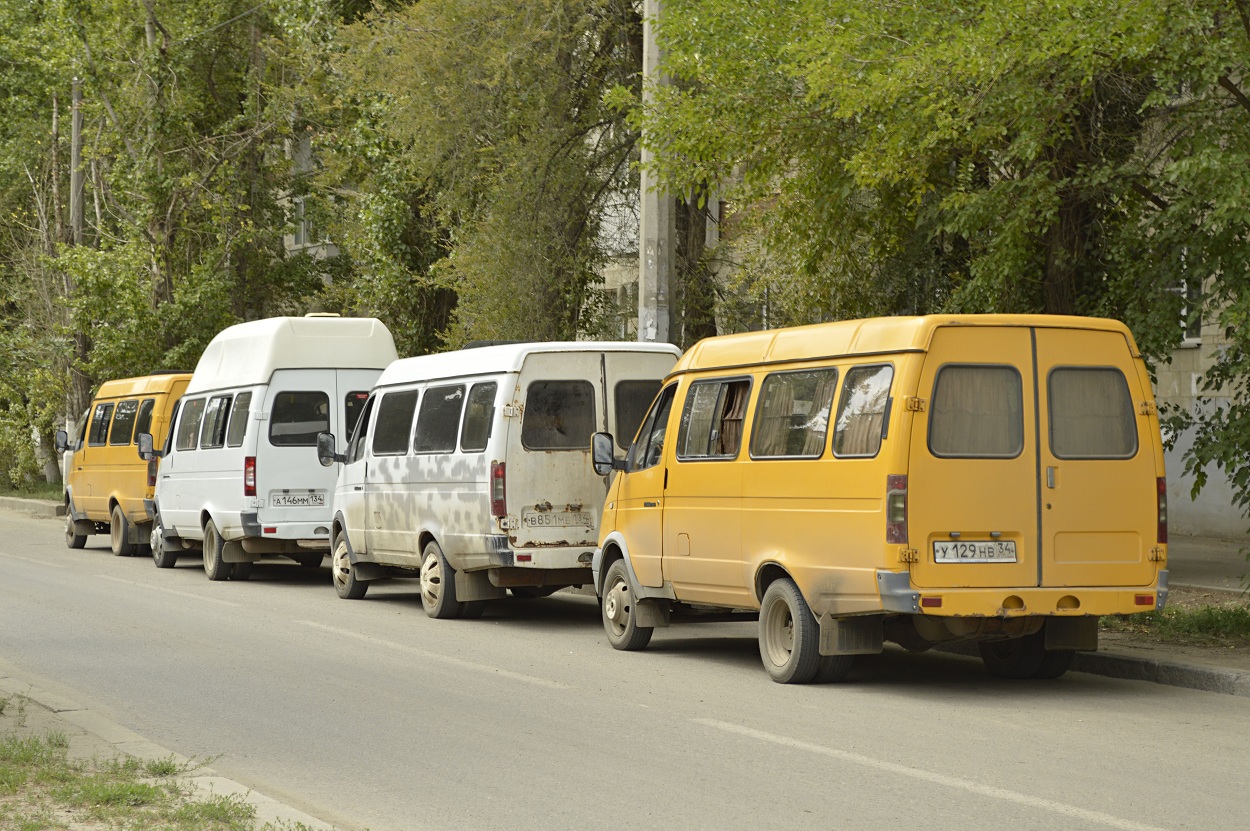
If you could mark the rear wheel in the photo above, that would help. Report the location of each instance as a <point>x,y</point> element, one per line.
<point>789,639</point>
<point>240,571</point>
<point>214,566</point>
<point>310,560</point>
<point>119,533</point>
<point>1055,663</point>
<point>162,554</point>
<point>620,618</point>
<point>833,668</point>
<point>346,585</point>
<point>438,585</point>
<point>73,539</point>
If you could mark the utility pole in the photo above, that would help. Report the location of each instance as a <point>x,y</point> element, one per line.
<point>657,221</point>
<point>79,386</point>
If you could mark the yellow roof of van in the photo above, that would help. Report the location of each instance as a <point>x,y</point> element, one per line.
<point>163,382</point>
<point>870,336</point>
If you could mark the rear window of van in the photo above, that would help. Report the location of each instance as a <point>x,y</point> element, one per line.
<point>977,412</point>
<point>559,415</point>
<point>1091,414</point>
<point>632,400</point>
<point>298,417</point>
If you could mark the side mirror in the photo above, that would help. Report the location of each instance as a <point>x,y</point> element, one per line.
<point>62,441</point>
<point>325,450</point>
<point>147,449</point>
<point>602,456</point>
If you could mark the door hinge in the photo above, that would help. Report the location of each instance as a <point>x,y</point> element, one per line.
<point>908,555</point>
<point>1147,408</point>
<point>1159,555</point>
<point>913,404</point>
<point>511,411</point>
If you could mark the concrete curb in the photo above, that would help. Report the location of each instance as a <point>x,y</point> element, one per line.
<point>43,508</point>
<point>1222,680</point>
<point>203,781</point>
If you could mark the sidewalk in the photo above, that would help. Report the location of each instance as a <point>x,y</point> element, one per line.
<point>1196,565</point>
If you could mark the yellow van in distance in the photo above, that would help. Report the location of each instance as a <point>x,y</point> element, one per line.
<point>921,480</point>
<point>105,480</point>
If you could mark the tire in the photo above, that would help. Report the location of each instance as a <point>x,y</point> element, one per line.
<point>472,609</point>
<point>1055,662</point>
<point>162,555</point>
<point>119,531</point>
<point>310,560</point>
<point>438,585</point>
<point>215,567</point>
<point>616,607</point>
<point>532,592</point>
<point>240,571</point>
<point>833,669</point>
<point>1015,657</point>
<point>73,539</point>
<point>789,636</point>
<point>346,585</point>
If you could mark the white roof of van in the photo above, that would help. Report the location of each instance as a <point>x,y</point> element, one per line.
<point>500,358</point>
<point>249,353</point>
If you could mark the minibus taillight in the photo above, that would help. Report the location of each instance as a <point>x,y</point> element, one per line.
<point>896,509</point>
<point>151,473</point>
<point>249,476</point>
<point>1163,509</point>
<point>497,490</point>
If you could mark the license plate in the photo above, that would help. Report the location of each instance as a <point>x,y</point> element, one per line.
<point>975,551</point>
<point>297,500</point>
<point>564,519</point>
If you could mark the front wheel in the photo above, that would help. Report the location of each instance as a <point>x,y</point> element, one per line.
<point>162,554</point>
<point>119,533</point>
<point>73,539</point>
<point>346,585</point>
<point>620,617</point>
<point>789,637</point>
<point>215,566</point>
<point>438,585</point>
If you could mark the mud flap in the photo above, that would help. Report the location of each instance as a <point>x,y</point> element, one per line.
<point>863,635</point>
<point>652,613</point>
<point>1078,633</point>
<point>476,585</point>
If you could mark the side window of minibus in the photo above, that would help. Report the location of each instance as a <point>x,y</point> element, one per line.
<point>100,425</point>
<point>189,424</point>
<point>356,451</point>
<point>143,421</point>
<point>214,432</point>
<point>863,411</point>
<point>479,415</point>
<point>238,419</point>
<point>438,421</point>
<point>169,435</point>
<point>792,415</point>
<point>648,448</point>
<point>123,427</point>
<point>1091,413</point>
<point>390,434</point>
<point>711,423</point>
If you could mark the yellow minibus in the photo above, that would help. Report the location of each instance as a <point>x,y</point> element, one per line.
<point>995,479</point>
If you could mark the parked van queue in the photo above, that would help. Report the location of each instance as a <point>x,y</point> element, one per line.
<point>994,479</point>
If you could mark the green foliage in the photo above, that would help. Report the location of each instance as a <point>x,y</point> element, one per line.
<point>1210,625</point>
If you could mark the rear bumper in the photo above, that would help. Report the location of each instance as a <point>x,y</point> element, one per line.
<point>898,595</point>
<point>499,553</point>
<point>312,534</point>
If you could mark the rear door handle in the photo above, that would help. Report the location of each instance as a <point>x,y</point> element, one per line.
<point>1050,477</point>
<point>651,504</point>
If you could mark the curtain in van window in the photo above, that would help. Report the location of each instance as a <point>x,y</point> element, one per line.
<point>1091,414</point>
<point>977,412</point>
<point>861,412</point>
<point>731,425</point>
<point>792,417</point>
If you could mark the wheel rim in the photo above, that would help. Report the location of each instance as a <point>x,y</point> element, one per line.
<point>69,528</point>
<point>115,530</point>
<point>210,549</point>
<point>616,606</point>
<point>779,633</point>
<point>156,540</point>
<point>431,579</point>
<point>343,567</point>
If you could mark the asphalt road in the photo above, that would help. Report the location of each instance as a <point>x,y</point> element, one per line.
<point>370,715</point>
